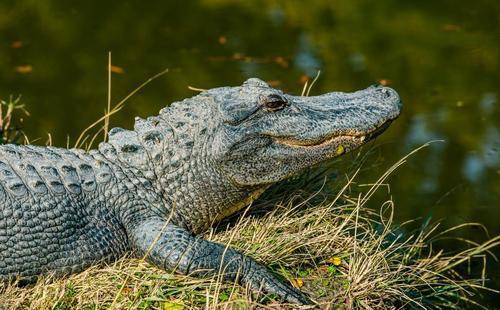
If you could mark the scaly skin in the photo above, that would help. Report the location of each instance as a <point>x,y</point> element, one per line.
<point>153,189</point>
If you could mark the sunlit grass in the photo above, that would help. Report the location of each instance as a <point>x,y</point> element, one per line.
<point>342,250</point>
<point>9,132</point>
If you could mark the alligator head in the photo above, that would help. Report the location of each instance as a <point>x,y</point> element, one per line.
<point>266,136</point>
<point>222,148</point>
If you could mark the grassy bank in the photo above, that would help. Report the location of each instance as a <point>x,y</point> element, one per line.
<point>342,250</point>
<point>339,246</point>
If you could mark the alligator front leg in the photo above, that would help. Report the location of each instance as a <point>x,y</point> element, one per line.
<point>173,248</point>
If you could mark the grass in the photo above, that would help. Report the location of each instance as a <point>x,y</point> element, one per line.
<point>9,131</point>
<point>341,248</point>
<point>338,249</point>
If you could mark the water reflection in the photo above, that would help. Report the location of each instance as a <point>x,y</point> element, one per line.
<point>305,59</point>
<point>419,133</point>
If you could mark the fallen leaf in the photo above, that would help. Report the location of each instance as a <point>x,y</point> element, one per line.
<point>274,83</point>
<point>281,61</point>
<point>173,306</point>
<point>116,69</point>
<point>336,260</point>
<point>24,69</point>
<point>303,78</point>
<point>16,44</point>
<point>126,290</point>
<point>451,27</point>
<point>297,282</point>
<point>222,40</point>
<point>238,56</point>
<point>384,82</point>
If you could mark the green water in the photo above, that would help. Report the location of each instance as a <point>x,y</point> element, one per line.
<point>442,56</point>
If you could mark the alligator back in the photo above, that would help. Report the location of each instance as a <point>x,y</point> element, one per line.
<point>53,214</point>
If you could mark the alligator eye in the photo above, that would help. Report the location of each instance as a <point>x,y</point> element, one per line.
<point>274,102</point>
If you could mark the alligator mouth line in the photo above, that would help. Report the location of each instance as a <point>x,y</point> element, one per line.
<point>358,137</point>
<point>320,143</point>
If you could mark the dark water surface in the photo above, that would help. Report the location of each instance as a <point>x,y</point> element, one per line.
<point>442,56</point>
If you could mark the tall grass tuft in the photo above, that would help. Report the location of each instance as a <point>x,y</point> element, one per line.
<point>10,132</point>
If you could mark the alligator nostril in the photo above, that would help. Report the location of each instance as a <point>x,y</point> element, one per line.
<point>386,93</point>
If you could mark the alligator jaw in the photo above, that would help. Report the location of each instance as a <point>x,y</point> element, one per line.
<point>332,139</point>
<point>320,143</point>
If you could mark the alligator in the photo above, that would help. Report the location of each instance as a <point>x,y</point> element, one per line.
<point>151,191</point>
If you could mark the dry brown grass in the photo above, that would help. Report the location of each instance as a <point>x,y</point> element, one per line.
<point>340,251</point>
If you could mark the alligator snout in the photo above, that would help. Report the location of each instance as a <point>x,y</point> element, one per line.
<point>389,96</point>
<point>386,92</point>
